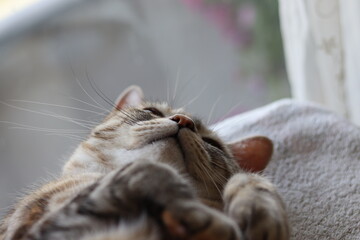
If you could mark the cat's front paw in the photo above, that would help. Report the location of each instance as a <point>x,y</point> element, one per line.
<point>254,204</point>
<point>194,221</point>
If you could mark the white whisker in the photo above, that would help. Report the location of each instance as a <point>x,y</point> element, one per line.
<point>55,105</point>
<point>176,84</point>
<point>87,94</point>
<point>196,97</point>
<point>38,130</point>
<point>167,90</point>
<point>211,178</point>
<point>212,109</point>
<point>80,122</point>
<point>232,108</point>
<point>183,87</point>
<point>225,116</point>
<point>69,119</point>
<point>70,136</point>
<point>89,104</point>
<point>52,130</point>
<point>44,114</point>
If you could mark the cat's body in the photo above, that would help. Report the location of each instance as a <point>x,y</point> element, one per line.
<point>152,172</point>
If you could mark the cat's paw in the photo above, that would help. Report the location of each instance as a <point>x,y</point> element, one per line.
<point>166,196</point>
<point>194,221</point>
<point>157,182</point>
<point>254,204</point>
<point>136,187</point>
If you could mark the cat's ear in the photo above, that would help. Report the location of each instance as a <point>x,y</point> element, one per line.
<point>253,153</point>
<point>131,97</point>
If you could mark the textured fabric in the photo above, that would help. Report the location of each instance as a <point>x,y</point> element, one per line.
<point>316,165</point>
<point>322,56</point>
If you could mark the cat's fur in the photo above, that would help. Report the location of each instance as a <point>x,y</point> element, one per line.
<point>152,172</point>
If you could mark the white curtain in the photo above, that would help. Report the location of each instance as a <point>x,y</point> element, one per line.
<point>322,50</point>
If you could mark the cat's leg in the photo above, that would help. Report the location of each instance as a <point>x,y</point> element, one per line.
<point>169,199</point>
<point>253,202</point>
<point>153,189</point>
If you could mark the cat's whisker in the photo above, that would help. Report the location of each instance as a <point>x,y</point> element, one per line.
<point>205,170</point>
<point>84,123</point>
<point>129,117</point>
<point>98,91</point>
<point>212,109</point>
<point>87,94</point>
<point>84,90</point>
<point>46,132</point>
<point>219,166</point>
<point>183,87</point>
<point>232,109</point>
<point>44,114</point>
<point>216,128</point>
<point>55,105</point>
<point>89,104</point>
<point>53,130</point>
<point>222,179</point>
<point>167,90</point>
<point>41,130</point>
<point>196,97</point>
<point>225,116</point>
<point>176,86</point>
<point>126,121</point>
<point>203,177</point>
<point>70,136</point>
<point>50,133</point>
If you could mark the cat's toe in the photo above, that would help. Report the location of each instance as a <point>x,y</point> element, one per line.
<point>257,209</point>
<point>259,222</point>
<point>194,221</point>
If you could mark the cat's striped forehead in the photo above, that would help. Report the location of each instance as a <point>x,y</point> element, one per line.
<point>168,111</point>
<point>164,108</point>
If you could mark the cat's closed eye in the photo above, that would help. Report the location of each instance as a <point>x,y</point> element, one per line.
<point>212,142</point>
<point>154,111</point>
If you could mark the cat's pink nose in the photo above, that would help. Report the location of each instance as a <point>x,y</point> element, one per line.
<point>183,121</point>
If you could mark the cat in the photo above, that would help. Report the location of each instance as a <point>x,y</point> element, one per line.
<point>152,172</point>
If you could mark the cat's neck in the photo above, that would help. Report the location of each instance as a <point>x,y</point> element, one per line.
<point>90,156</point>
<point>94,155</point>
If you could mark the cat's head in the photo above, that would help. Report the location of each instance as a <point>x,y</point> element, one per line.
<point>137,130</point>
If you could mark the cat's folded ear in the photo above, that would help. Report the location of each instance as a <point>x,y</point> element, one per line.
<point>130,97</point>
<point>253,153</point>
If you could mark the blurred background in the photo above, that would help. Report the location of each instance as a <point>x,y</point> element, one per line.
<point>61,61</point>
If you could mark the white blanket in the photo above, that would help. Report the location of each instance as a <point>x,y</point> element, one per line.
<point>316,165</point>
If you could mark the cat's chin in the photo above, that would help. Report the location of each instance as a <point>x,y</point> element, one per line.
<point>178,149</point>
<point>190,143</point>
<point>168,151</point>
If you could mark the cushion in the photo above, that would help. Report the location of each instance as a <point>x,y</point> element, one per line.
<point>315,165</point>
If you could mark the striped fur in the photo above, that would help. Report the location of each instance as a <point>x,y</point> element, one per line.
<point>139,176</point>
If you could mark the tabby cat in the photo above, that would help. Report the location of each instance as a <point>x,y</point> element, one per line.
<point>150,172</point>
